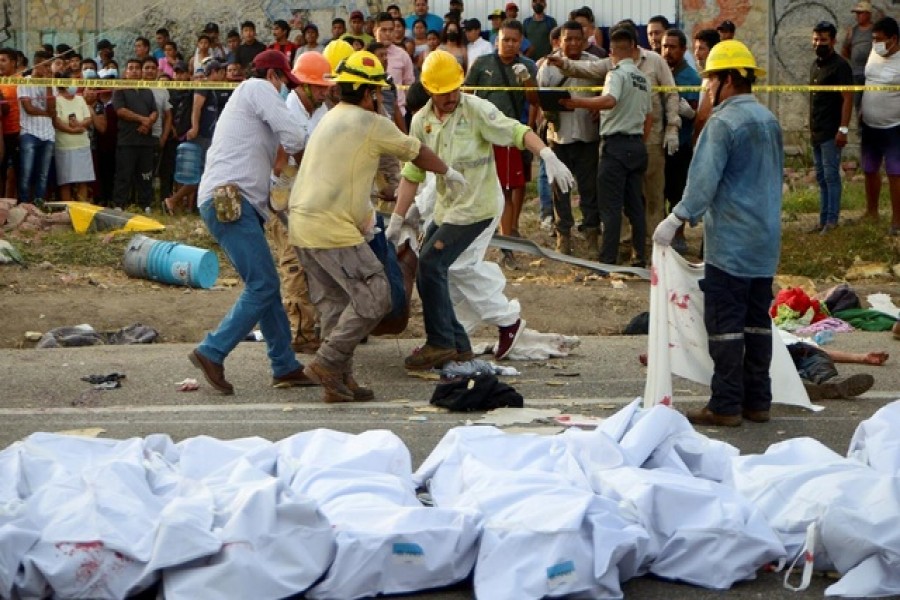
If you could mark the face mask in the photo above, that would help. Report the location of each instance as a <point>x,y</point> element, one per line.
<point>880,48</point>
<point>538,8</point>
<point>284,91</point>
<point>453,36</point>
<point>110,74</point>
<point>72,90</point>
<point>823,51</point>
<point>89,74</point>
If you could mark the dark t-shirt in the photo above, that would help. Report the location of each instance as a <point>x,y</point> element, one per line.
<point>209,114</point>
<point>140,102</point>
<point>825,107</point>
<point>245,54</point>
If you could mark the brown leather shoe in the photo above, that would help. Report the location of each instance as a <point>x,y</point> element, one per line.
<point>360,393</point>
<point>429,357</point>
<point>757,416</point>
<point>213,372</point>
<point>704,416</point>
<point>296,378</point>
<point>332,381</point>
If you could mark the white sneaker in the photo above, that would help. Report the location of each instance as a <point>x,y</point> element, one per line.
<point>547,223</point>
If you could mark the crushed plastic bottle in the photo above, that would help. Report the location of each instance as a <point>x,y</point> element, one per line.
<point>823,337</point>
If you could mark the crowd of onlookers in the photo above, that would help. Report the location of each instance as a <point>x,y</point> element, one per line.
<point>114,146</point>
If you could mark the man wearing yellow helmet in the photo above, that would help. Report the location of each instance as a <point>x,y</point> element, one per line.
<point>330,215</point>
<point>734,183</point>
<point>464,127</point>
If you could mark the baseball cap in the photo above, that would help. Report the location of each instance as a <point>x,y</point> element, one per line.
<point>105,45</point>
<point>211,28</point>
<point>862,7</point>
<point>210,65</point>
<point>472,24</point>
<point>357,14</point>
<point>180,65</point>
<point>726,26</point>
<point>273,59</point>
<point>512,5</point>
<point>497,13</point>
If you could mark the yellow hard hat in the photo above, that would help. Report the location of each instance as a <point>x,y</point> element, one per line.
<point>361,68</point>
<point>335,52</point>
<point>731,54</point>
<point>441,72</point>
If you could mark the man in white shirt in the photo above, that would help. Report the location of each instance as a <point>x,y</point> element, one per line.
<point>477,45</point>
<point>399,64</point>
<point>233,199</point>
<point>36,135</point>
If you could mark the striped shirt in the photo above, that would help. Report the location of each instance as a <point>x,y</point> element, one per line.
<point>40,127</point>
<point>252,125</point>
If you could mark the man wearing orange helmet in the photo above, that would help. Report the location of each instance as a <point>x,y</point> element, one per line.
<point>464,127</point>
<point>331,216</point>
<point>307,103</point>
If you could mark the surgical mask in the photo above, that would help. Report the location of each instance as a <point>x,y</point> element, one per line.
<point>108,73</point>
<point>72,90</point>
<point>453,36</point>
<point>89,74</point>
<point>880,48</point>
<point>284,91</point>
<point>823,51</point>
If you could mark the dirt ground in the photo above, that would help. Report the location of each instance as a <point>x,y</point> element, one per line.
<point>554,297</point>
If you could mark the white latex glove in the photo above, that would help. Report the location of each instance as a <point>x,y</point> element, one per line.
<point>413,216</point>
<point>521,71</point>
<point>684,109</point>
<point>557,172</point>
<point>671,141</point>
<point>392,233</point>
<point>666,230</point>
<point>455,182</point>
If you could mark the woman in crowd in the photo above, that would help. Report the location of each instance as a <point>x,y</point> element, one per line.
<point>74,164</point>
<point>453,42</point>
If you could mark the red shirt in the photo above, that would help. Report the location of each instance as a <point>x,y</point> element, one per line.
<point>287,48</point>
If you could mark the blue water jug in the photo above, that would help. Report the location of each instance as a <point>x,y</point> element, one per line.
<point>188,163</point>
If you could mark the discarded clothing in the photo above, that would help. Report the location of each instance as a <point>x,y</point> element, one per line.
<point>85,335</point>
<point>828,324</point>
<point>793,304</point>
<point>882,303</point>
<point>480,393</point>
<point>111,378</point>
<point>840,297</point>
<point>534,345</point>
<point>867,319</point>
<point>470,368</point>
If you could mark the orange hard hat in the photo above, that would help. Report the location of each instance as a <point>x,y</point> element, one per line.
<point>312,68</point>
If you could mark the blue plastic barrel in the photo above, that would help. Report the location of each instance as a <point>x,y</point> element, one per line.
<point>188,163</point>
<point>171,262</point>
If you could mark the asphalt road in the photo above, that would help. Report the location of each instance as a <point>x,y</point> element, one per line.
<point>42,391</point>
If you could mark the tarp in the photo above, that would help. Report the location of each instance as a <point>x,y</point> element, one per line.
<point>678,345</point>
<point>87,217</point>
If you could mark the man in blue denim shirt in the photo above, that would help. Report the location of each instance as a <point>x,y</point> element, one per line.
<point>734,183</point>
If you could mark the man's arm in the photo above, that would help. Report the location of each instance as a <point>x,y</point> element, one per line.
<point>582,69</point>
<point>670,99</point>
<point>29,107</point>
<point>196,110</point>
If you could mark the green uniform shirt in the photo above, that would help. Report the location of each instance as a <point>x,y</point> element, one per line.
<point>464,141</point>
<point>630,88</point>
<point>486,71</point>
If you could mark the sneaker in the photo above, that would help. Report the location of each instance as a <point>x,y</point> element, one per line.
<point>296,378</point>
<point>429,357</point>
<point>704,416</point>
<point>840,388</point>
<point>332,382</point>
<point>213,372</point>
<point>547,223</point>
<point>509,335</point>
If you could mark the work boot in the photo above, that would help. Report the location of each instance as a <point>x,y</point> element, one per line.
<point>296,378</point>
<point>213,372</point>
<point>429,357</point>
<point>840,388</point>
<point>564,243</point>
<point>360,393</point>
<point>704,416</point>
<point>592,237</point>
<point>332,382</point>
<point>757,416</point>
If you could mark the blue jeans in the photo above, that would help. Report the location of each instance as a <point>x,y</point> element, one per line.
<point>244,242</point>
<point>544,192</point>
<point>440,249</point>
<point>827,157</point>
<point>36,155</point>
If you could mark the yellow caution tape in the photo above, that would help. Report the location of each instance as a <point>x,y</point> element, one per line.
<point>229,85</point>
